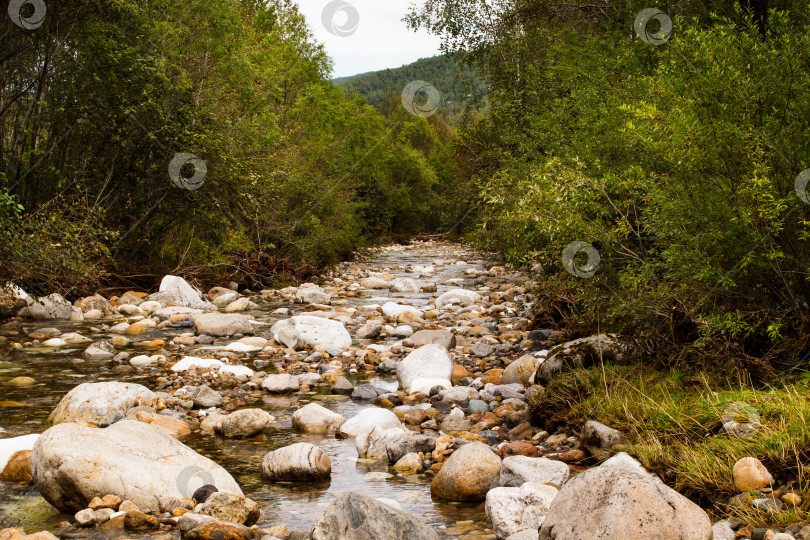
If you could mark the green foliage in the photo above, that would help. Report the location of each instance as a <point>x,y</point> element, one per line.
<point>52,246</point>
<point>97,102</point>
<point>677,162</point>
<point>457,83</point>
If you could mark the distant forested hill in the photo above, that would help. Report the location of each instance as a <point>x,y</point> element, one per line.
<point>457,84</point>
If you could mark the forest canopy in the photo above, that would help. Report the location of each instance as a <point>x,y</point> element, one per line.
<point>669,140</point>
<point>100,99</point>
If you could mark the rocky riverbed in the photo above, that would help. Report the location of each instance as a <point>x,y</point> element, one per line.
<point>388,400</point>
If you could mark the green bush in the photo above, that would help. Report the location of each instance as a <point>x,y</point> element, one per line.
<point>678,164</point>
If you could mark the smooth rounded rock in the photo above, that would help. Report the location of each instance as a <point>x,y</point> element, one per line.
<point>71,464</point>
<point>462,297</point>
<point>244,423</point>
<point>222,324</point>
<point>300,462</point>
<point>520,371</point>
<point>750,474</point>
<point>314,418</point>
<point>467,474</point>
<point>307,331</point>
<point>100,403</point>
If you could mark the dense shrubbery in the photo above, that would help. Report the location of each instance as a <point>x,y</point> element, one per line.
<point>97,102</point>
<point>676,161</point>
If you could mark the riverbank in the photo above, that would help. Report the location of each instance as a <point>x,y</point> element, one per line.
<point>412,371</point>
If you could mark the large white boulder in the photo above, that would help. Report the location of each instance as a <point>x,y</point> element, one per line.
<point>462,297</point>
<point>619,499</point>
<point>372,442</point>
<point>393,310</point>
<point>367,418</point>
<point>307,331</point>
<point>428,362</point>
<point>420,384</point>
<point>176,290</point>
<point>50,307</point>
<point>100,403</point>
<point>514,509</point>
<point>133,460</point>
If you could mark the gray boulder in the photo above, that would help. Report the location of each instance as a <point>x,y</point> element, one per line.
<point>176,290</point>
<point>50,307</point>
<point>202,396</point>
<point>245,423</point>
<point>517,470</point>
<point>222,324</point>
<point>356,517</point>
<point>619,499</point>
<point>598,439</point>
<point>583,352</point>
<point>405,285</point>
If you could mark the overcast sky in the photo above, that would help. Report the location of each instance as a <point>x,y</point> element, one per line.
<point>370,34</point>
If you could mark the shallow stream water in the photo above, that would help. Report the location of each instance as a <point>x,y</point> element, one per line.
<point>25,410</point>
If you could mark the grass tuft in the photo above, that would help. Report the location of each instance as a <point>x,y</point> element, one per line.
<point>674,425</point>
